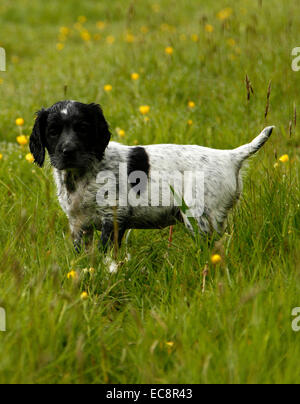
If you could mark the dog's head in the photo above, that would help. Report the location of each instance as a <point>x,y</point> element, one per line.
<point>74,135</point>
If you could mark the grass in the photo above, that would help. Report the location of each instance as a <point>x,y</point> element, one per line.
<point>239,329</point>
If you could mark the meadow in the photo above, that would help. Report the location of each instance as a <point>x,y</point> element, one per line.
<point>168,315</point>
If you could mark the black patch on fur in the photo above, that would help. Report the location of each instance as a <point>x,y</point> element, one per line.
<point>70,183</point>
<point>138,160</point>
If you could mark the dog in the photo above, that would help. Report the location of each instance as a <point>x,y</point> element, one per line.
<point>88,167</point>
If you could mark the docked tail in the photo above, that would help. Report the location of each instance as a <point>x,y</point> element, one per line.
<point>244,152</point>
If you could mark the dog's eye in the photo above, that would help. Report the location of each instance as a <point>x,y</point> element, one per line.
<point>81,127</point>
<point>54,131</point>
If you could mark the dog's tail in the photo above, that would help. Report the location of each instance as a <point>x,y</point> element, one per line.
<point>244,152</point>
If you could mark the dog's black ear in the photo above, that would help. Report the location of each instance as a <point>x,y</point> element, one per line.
<point>37,138</point>
<point>103,134</point>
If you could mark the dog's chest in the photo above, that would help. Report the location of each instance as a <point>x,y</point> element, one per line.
<point>76,195</point>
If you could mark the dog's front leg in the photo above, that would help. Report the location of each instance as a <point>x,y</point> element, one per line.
<point>109,232</point>
<point>82,237</point>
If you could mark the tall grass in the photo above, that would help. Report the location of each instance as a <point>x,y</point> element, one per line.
<point>237,328</point>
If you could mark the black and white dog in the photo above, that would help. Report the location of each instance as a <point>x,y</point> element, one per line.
<point>90,171</point>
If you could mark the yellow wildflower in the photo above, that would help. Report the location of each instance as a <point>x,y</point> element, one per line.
<point>144,109</point>
<point>216,259</point>
<point>195,38</point>
<point>20,122</point>
<point>231,42</point>
<point>191,104</point>
<point>1,156</point>
<point>84,296</point>
<point>169,50</point>
<point>225,14</point>
<point>144,29</point>
<point>135,76</point>
<point>129,37</point>
<point>72,274</point>
<point>60,46</point>
<point>101,25</point>
<point>284,159</point>
<point>22,140</point>
<point>64,31</point>
<point>209,28</point>
<point>86,36</point>
<point>110,39</point>
<point>190,122</point>
<point>108,88</point>
<point>29,157</point>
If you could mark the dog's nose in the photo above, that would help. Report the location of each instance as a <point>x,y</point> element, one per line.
<point>68,149</point>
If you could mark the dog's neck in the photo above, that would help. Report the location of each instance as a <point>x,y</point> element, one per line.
<point>68,179</point>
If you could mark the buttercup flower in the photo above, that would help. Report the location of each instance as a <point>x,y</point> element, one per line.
<point>216,259</point>
<point>1,156</point>
<point>20,122</point>
<point>191,104</point>
<point>209,28</point>
<point>64,31</point>
<point>84,296</point>
<point>72,274</point>
<point>121,132</point>
<point>60,46</point>
<point>129,37</point>
<point>108,88</point>
<point>195,38</point>
<point>190,122</point>
<point>284,159</point>
<point>101,25</point>
<point>144,109</point>
<point>135,76</point>
<point>144,29</point>
<point>110,39</point>
<point>86,36</point>
<point>22,140</point>
<point>225,14</point>
<point>169,50</point>
<point>231,42</point>
<point>29,157</point>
